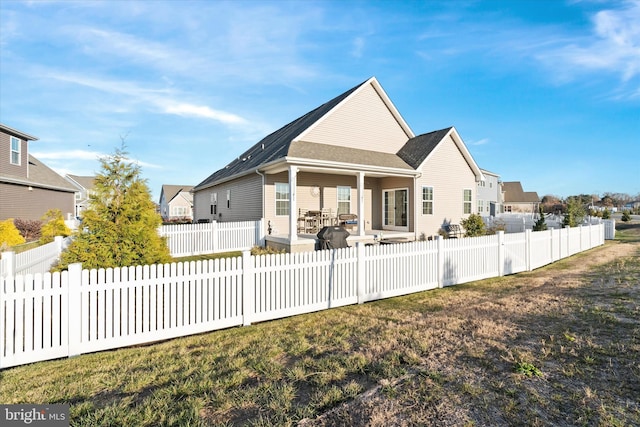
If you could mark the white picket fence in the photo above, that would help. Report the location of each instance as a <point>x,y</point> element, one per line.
<point>47,316</point>
<point>213,237</point>
<point>37,260</point>
<point>517,223</point>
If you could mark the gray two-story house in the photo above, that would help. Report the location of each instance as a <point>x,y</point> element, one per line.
<point>28,188</point>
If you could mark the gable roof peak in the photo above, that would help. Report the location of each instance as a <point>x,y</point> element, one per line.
<point>276,145</point>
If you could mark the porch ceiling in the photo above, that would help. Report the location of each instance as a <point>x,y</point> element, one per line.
<point>306,165</point>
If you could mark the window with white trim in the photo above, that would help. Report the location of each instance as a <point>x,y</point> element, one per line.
<point>480,206</point>
<point>344,200</point>
<point>179,211</point>
<point>282,198</point>
<point>228,199</point>
<point>15,151</point>
<point>214,203</point>
<point>427,200</point>
<point>467,200</point>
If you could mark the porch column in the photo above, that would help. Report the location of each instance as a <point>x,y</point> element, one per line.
<point>293,209</point>
<point>361,203</point>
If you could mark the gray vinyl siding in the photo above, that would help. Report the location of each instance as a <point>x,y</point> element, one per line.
<point>17,201</point>
<point>449,174</point>
<point>363,122</point>
<point>6,167</point>
<point>488,192</point>
<point>246,200</point>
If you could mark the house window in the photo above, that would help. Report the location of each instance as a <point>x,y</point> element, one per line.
<point>214,203</point>
<point>480,206</point>
<point>179,211</point>
<point>344,200</point>
<point>228,199</point>
<point>467,201</point>
<point>282,198</point>
<point>427,200</point>
<point>15,151</point>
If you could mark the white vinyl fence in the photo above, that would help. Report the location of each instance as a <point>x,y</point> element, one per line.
<point>516,223</point>
<point>47,316</point>
<point>213,237</point>
<point>37,260</point>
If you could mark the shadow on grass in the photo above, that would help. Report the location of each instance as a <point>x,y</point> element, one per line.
<point>628,232</point>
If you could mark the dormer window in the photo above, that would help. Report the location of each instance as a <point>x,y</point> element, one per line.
<point>15,151</point>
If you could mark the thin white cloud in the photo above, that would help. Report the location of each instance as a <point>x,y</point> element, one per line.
<point>190,110</point>
<point>161,99</point>
<point>73,156</point>
<point>358,47</point>
<point>613,45</point>
<point>482,141</point>
<point>67,154</point>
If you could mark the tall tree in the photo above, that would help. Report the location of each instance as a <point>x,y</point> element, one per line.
<point>120,226</point>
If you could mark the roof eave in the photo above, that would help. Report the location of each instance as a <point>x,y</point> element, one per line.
<point>355,167</point>
<point>17,133</point>
<point>27,183</point>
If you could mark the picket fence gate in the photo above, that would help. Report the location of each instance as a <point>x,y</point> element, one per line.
<point>54,315</point>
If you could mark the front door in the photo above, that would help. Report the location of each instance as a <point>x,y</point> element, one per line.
<point>395,214</point>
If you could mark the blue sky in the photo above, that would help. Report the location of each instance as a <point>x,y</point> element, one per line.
<point>542,92</point>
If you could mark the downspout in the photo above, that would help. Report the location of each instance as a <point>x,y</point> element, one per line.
<point>263,198</point>
<point>416,205</point>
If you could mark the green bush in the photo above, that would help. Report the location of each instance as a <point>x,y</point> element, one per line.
<point>9,234</point>
<point>606,214</point>
<point>473,226</point>
<point>540,224</point>
<point>53,225</point>
<point>626,216</point>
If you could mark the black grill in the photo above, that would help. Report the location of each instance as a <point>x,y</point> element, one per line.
<point>333,237</point>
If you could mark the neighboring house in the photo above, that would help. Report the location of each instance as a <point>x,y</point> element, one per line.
<point>489,194</point>
<point>28,188</point>
<point>352,155</point>
<point>176,202</point>
<point>632,205</point>
<point>518,201</point>
<point>84,187</point>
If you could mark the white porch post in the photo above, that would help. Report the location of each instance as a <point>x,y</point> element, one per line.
<point>361,203</point>
<point>293,216</point>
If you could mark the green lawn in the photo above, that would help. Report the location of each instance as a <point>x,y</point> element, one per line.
<point>560,345</point>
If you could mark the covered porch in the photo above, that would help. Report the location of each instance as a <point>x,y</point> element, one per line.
<point>373,204</point>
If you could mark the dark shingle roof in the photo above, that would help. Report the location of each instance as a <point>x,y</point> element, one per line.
<point>87,182</point>
<point>513,193</point>
<point>334,153</point>
<point>171,191</point>
<point>416,150</point>
<point>41,176</point>
<point>276,145</point>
